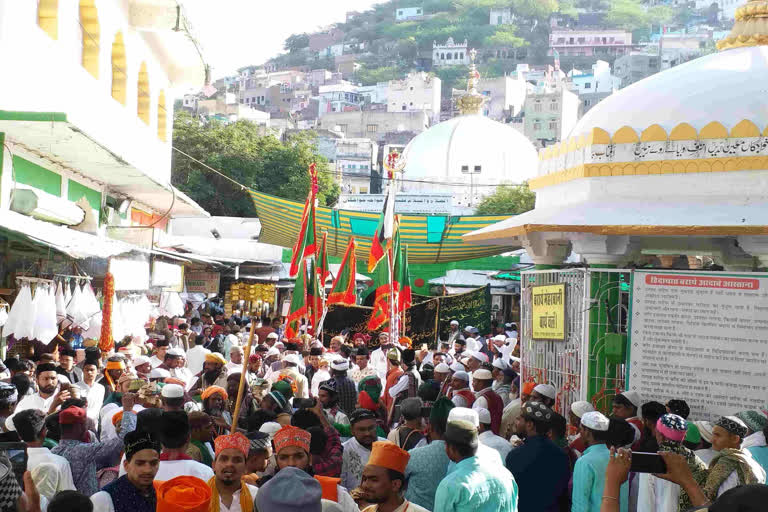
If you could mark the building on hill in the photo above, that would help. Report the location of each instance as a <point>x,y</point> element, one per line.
<point>322,40</point>
<point>595,86</point>
<point>374,125</point>
<point>675,49</point>
<point>450,53</point>
<point>409,13</point>
<point>636,66</point>
<point>501,16</point>
<point>374,94</point>
<point>505,97</point>
<point>550,114</point>
<point>226,108</point>
<point>347,65</point>
<point>726,8</point>
<point>416,92</point>
<point>340,97</point>
<point>590,43</point>
<point>454,156</point>
<point>356,164</point>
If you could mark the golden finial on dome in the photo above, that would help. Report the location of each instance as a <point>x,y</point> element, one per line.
<point>471,102</point>
<point>751,27</point>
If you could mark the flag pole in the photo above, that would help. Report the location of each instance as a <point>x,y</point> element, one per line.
<point>244,373</point>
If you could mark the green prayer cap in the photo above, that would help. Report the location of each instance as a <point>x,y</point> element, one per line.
<point>284,388</point>
<point>693,435</point>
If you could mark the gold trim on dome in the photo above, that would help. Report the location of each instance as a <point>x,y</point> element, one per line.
<point>622,229</point>
<point>686,166</point>
<point>751,27</point>
<point>681,132</point>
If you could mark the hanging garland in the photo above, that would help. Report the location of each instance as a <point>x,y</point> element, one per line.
<point>106,343</point>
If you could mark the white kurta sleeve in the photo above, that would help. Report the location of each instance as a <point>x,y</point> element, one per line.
<point>401,386</point>
<point>102,502</point>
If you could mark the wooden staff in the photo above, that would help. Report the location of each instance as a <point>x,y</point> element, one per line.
<point>243,375</point>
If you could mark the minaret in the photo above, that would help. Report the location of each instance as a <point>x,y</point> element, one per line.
<point>472,102</point>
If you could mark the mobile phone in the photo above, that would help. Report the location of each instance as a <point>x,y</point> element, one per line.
<point>643,462</point>
<point>303,403</point>
<point>16,454</point>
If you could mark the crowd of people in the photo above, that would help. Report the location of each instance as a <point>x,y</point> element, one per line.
<point>361,424</point>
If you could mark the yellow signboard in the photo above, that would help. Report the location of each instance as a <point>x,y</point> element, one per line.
<point>548,312</point>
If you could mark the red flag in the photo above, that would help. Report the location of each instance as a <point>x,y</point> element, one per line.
<point>323,270</point>
<point>380,315</point>
<point>383,234</point>
<point>314,298</point>
<point>298,303</point>
<point>404,296</point>
<point>306,244</point>
<point>343,290</point>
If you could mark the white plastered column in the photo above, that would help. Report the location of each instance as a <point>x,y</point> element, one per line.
<point>546,248</point>
<point>755,245</point>
<point>594,249</point>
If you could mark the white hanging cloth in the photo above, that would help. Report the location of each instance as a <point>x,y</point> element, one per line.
<point>45,326</point>
<point>76,316</point>
<point>92,311</point>
<point>171,304</point>
<point>18,323</point>
<point>67,293</point>
<point>61,305</point>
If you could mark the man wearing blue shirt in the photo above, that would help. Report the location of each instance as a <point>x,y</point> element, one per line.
<point>589,472</point>
<point>429,464</point>
<point>472,486</point>
<point>541,469</point>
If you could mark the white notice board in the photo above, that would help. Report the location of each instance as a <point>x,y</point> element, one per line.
<point>701,337</point>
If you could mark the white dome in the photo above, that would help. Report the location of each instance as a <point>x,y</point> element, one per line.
<point>728,87</point>
<point>502,154</point>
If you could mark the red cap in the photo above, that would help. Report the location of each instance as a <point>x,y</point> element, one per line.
<point>72,415</point>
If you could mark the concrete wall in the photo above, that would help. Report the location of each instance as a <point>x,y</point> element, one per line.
<point>46,75</point>
<point>374,125</point>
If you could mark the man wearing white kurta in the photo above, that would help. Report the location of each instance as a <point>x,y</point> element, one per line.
<point>51,473</point>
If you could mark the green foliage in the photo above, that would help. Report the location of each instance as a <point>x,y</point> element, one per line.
<point>374,75</point>
<point>627,14</point>
<point>538,9</point>
<point>296,42</point>
<point>505,36</point>
<point>452,77</point>
<point>508,200</point>
<point>242,152</point>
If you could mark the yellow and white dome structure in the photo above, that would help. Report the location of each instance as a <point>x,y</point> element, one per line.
<point>675,162</point>
<point>469,154</point>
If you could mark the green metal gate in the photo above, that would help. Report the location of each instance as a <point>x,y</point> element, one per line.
<point>590,363</point>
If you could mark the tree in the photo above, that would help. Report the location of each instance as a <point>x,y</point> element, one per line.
<point>245,154</point>
<point>296,42</point>
<point>627,14</point>
<point>508,200</point>
<point>505,37</point>
<point>452,77</point>
<point>539,9</point>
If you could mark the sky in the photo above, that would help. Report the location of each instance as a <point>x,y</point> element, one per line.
<point>236,33</point>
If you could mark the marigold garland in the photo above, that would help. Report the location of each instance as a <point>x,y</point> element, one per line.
<point>106,343</point>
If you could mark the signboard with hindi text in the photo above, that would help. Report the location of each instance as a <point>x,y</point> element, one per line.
<point>202,282</point>
<point>548,310</point>
<point>701,337</point>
